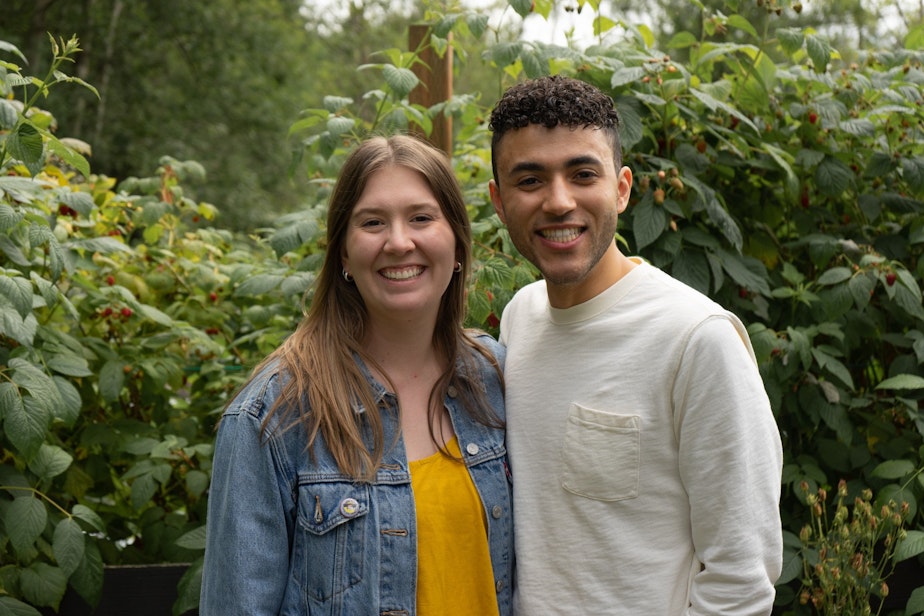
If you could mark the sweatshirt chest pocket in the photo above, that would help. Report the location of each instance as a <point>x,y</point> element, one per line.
<point>329,543</point>
<point>600,454</point>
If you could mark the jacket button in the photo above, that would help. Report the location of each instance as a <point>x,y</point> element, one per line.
<point>500,585</point>
<point>472,448</point>
<point>497,511</point>
<point>349,507</point>
<point>452,392</point>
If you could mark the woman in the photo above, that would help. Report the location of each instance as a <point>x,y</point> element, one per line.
<point>362,468</point>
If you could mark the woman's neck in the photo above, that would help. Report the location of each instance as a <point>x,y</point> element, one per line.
<point>408,363</point>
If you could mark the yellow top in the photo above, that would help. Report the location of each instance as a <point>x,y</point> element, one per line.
<point>454,574</point>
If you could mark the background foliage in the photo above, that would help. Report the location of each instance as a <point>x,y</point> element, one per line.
<point>772,173</point>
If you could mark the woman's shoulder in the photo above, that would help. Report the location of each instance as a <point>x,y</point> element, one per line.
<point>490,344</point>
<point>260,392</point>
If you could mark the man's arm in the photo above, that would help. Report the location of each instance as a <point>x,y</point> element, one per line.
<point>730,464</point>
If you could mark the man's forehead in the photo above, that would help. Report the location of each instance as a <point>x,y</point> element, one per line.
<point>527,146</point>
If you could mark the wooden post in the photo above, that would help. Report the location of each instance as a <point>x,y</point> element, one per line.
<point>435,85</point>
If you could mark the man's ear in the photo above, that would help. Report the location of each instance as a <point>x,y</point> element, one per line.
<point>623,189</point>
<point>496,200</point>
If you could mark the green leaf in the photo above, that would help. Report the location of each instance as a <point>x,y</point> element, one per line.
<point>112,379</point>
<point>792,566</point>
<point>258,285</point>
<point>9,395</point>
<point>522,7</point>
<point>835,417</point>
<point>68,545</point>
<point>189,588</point>
<point>893,469</point>
<point>87,580</point>
<point>82,512</point>
<point>69,155</point>
<point>19,292</point>
<point>626,75</point>
<point>11,250</point>
<point>104,245</point>
<point>714,104</point>
<point>197,482</point>
<point>479,306</point>
<point>833,366</point>
<point>142,491</point>
<point>156,315</point>
<point>69,365</point>
<point>791,39</point>
<point>861,287</point>
<point>338,125</point>
<point>782,158</point>
<point>14,607</point>
<point>835,275</point>
<point>648,221</point>
<point>910,546</point>
<point>25,145</point>
<point>193,540</point>
<point>37,383</point>
<point>26,431</point>
<point>682,40</point>
<point>8,114</point>
<point>902,381</point>
<point>504,54</point>
<point>70,407</point>
<point>819,51</point>
<point>738,270</point>
<point>42,584</point>
<point>12,325</point>
<point>400,80</point>
<point>833,177</point>
<point>737,21</point>
<point>915,605</point>
<point>913,172</point>
<point>534,64</point>
<point>50,461</point>
<point>25,520</point>
<point>477,23</point>
<point>858,127</point>
<point>691,267</point>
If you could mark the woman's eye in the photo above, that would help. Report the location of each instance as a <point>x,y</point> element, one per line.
<point>370,223</point>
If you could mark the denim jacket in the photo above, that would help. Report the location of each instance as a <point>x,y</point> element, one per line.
<point>294,536</point>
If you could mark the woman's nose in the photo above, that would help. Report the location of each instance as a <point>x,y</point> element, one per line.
<point>399,239</point>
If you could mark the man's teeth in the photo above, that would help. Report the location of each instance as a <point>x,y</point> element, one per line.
<point>403,273</point>
<point>561,235</point>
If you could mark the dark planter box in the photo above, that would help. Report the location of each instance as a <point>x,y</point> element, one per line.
<point>138,590</point>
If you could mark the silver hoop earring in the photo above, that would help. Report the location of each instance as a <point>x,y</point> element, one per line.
<point>347,276</point>
<point>458,267</point>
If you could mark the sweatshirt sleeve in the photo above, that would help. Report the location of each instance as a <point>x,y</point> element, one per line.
<point>730,465</point>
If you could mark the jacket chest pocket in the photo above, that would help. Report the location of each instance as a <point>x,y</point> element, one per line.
<point>329,544</point>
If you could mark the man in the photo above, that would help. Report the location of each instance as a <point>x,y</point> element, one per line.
<point>645,456</point>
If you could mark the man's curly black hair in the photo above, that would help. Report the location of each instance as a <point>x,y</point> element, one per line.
<point>553,101</point>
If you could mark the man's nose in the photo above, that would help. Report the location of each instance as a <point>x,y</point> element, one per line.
<point>559,199</point>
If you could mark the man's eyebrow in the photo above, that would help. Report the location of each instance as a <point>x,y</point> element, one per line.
<point>577,161</point>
